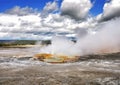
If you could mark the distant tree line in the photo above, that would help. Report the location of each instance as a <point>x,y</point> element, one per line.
<point>23,42</point>
<point>18,42</point>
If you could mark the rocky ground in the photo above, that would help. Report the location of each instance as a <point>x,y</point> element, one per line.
<point>89,70</point>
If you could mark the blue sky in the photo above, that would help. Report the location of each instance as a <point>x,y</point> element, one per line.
<point>97,7</point>
<point>39,4</point>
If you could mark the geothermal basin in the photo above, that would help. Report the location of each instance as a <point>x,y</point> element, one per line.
<point>52,58</point>
<point>18,68</point>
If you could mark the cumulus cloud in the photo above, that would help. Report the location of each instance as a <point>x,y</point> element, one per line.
<point>17,23</point>
<point>20,11</point>
<point>33,25</point>
<point>77,9</point>
<point>50,7</point>
<point>45,28</point>
<point>110,10</point>
<point>16,27</point>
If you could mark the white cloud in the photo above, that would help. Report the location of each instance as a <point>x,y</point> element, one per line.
<point>77,9</point>
<point>26,23</point>
<point>50,7</point>
<point>13,23</point>
<point>53,21</point>
<point>110,10</point>
<point>20,11</point>
<point>34,26</point>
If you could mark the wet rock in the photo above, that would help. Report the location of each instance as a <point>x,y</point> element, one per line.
<point>106,81</point>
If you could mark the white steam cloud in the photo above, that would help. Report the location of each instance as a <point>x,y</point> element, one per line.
<point>105,40</point>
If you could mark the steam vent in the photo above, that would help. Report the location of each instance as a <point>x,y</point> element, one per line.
<point>50,58</point>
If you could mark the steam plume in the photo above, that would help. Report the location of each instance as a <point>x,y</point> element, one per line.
<point>106,39</point>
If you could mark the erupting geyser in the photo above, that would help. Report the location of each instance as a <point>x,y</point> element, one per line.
<point>62,49</point>
<point>58,51</point>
